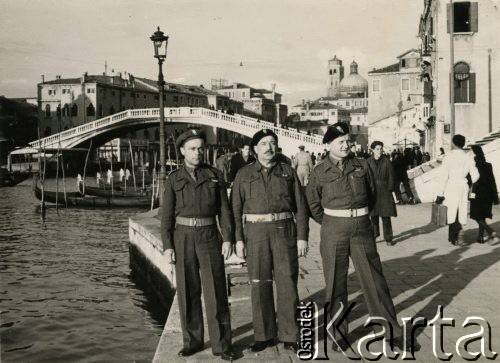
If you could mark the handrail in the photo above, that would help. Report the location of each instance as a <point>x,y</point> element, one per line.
<point>177,112</point>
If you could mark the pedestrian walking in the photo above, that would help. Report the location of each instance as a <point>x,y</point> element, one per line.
<point>384,207</point>
<point>483,195</point>
<point>302,163</point>
<point>271,226</point>
<point>222,163</point>
<point>400,165</point>
<point>340,193</point>
<point>195,197</point>
<point>455,190</point>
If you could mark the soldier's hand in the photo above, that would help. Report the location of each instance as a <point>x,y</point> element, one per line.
<point>170,253</point>
<point>226,249</point>
<point>241,250</point>
<point>302,248</point>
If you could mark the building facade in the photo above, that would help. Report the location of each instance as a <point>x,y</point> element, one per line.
<point>260,103</point>
<point>461,50</point>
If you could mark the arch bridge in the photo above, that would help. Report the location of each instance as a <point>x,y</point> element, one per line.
<point>288,139</point>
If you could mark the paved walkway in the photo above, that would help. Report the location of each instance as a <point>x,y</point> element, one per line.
<point>423,271</point>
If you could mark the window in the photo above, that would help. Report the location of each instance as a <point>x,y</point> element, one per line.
<point>90,90</point>
<point>243,94</point>
<point>464,83</point>
<point>74,110</point>
<point>47,111</point>
<point>112,93</point>
<point>144,96</point>
<point>376,85</point>
<point>331,72</point>
<point>405,84</point>
<point>465,17</point>
<point>58,110</point>
<point>63,90</point>
<point>90,110</point>
<point>347,103</point>
<point>417,83</point>
<point>403,63</point>
<point>66,110</point>
<point>100,113</point>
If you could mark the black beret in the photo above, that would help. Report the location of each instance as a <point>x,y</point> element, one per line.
<point>190,135</point>
<point>334,131</point>
<point>458,140</point>
<point>261,134</point>
<point>302,147</point>
<point>375,144</point>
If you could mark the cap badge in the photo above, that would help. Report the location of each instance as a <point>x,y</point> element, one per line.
<point>194,132</point>
<point>264,131</point>
<point>339,129</point>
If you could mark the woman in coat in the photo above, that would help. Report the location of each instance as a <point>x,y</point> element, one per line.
<point>484,195</point>
<point>457,164</point>
<point>384,206</point>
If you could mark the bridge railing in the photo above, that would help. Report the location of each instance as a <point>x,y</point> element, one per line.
<point>172,113</point>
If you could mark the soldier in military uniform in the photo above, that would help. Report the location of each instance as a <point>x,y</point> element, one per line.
<point>266,198</point>
<point>340,193</point>
<point>194,196</point>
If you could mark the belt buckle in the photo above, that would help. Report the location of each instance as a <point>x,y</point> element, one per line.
<point>273,217</point>
<point>194,222</point>
<point>352,213</point>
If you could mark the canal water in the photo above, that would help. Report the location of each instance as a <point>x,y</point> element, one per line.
<point>66,289</point>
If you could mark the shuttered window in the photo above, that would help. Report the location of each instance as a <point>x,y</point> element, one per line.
<point>465,91</point>
<point>465,17</point>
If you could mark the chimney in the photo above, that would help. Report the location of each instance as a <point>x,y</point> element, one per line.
<point>303,102</point>
<point>43,78</point>
<point>235,85</point>
<point>84,77</point>
<point>58,77</point>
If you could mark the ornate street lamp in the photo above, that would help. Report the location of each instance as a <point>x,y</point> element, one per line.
<point>160,42</point>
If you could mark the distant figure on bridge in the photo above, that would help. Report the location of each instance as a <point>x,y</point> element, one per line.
<point>98,178</point>
<point>239,160</point>
<point>109,176</point>
<point>122,174</point>
<point>303,165</point>
<point>127,174</point>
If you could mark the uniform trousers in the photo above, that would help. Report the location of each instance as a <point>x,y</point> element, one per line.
<point>343,237</point>
<point>198,251</point>
<point>386,226</point>
<point>272,251</point>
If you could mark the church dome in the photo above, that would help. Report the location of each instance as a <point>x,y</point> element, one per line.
<point>353,83</point>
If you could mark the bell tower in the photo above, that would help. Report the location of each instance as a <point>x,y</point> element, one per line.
<point>335,75</point>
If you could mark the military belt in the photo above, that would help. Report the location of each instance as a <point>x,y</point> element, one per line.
<point>271,217</point>
<point>195,222</point>
<point>347,212</point>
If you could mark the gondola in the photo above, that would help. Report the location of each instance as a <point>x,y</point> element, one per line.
<point>76,199</point>
<point>119,192</point>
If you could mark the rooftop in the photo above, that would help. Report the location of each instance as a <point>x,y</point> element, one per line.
<point>389,69</point>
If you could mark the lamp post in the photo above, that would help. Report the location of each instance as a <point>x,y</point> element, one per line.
<point>160,42</point>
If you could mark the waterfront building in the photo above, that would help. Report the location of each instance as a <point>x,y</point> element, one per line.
<point>396,92</point>
<point>257,102</point>
<point>472,66</point>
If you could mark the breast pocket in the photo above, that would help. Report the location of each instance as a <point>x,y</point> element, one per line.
<point>358,182</point>
<point>181,196</point>
<point>210,193</point>
<point>283,185</point>
<point>332,187</point>
<point>252,187</point>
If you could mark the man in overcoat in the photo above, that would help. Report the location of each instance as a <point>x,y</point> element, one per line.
<point>384,207</point>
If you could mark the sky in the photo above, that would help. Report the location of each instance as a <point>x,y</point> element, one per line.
<point>287,42</point>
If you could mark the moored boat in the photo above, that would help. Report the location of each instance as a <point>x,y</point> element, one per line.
<point>76,199</point>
